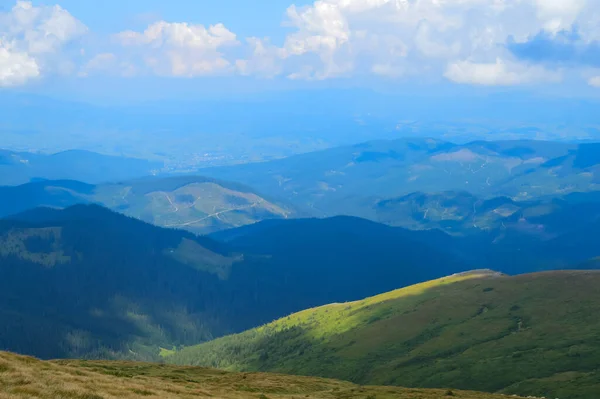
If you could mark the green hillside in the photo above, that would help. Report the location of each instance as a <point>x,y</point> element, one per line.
<point>24,377</point>
<point>533,334</point>
<point>194,203</point>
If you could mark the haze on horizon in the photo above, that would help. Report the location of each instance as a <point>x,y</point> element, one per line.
<point>270,79</point>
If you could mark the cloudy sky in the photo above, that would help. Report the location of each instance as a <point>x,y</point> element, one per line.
<point>529,44</point>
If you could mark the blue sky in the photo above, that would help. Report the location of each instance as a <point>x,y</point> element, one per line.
<point>115,16</point>
<point>533,44</point>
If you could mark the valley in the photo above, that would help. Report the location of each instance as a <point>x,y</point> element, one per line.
<point>415,263</point>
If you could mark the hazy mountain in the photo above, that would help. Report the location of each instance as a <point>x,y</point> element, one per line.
<point>460,212</point>
<point>541,236</point>
<point>192,203</point>
<point>21,167</point>
<point>351,180</point>
<point>86,281</point>
<point>531,334</point>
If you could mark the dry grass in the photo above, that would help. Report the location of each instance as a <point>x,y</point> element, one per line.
<point>25,377</point>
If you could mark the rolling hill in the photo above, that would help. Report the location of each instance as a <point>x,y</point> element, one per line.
<point>89,282</point>
<point>350,180</point>
<point>194,203</point>
<point>25,377</point>
<point>531,334</point>
<point>21,167</point>
<point>342,254</point>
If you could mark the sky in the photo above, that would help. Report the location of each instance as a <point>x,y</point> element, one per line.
<point>532,44</point>
<point>305,73</point>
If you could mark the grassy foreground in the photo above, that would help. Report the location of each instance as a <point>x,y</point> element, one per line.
<point>25,377</point>
<point>533,334</point>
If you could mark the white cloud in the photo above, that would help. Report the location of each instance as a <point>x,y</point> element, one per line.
<point>432,48</point>
<point>387,70</point>
<point>559,15</point>
<point>16,68</point>
<point>265,59</point>
<point>32,40</point>
<point>464,41</point>
<point>107,63</point>
<point>595,81</point>
<point>181,49</point>
<point>499,73</point>
<point>338,37</point>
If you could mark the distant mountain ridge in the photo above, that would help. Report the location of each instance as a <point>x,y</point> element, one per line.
<point>460,212</point>
<point>554,235</point>
<point>21,167</point>
<point>413,183</point>
<point>349,180</point>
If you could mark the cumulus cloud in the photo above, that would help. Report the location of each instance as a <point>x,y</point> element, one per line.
<point>499,73</point>
<point>181,49</point>
<point>483,42</point>
<point>109,64</point>
<point>488,42</point>
<point>595,81</point>
<point>559,15</point>
<point>16,68</point>
<point>265,59</point>
<point>338,37</point>
<point>32,40</point>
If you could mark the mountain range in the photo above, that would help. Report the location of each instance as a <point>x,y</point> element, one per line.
<point>90,167</point>
<point>351,180</point>
<point>412,183</point>
<point>89,282</point>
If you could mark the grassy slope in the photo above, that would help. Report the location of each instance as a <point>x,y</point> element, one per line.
<point>24,377</point>
<point>533,334</point>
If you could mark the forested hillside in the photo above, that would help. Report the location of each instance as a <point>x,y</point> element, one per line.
<point>88,282</point>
